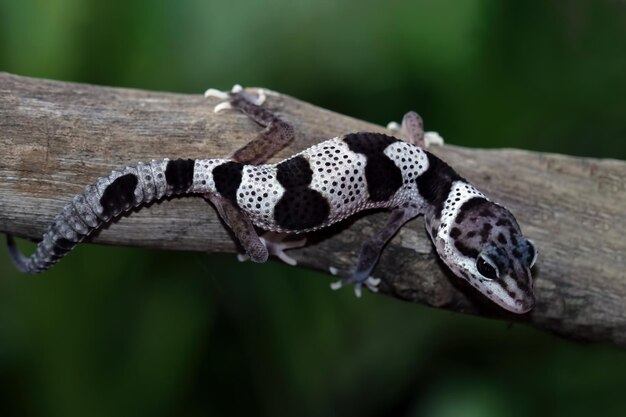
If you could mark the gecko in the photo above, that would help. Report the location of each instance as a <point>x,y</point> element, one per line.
<point>479,240</point>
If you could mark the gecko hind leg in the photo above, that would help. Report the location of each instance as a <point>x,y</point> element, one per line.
<point>241,226</point>
<point>277,245</point>
<point>370,253</point>
<point>276,133</point>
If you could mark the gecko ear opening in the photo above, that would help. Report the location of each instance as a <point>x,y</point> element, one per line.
<point>487,267</point>
<point>532,251</point>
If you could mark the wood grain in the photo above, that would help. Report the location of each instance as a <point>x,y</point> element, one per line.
<point>57,137</point>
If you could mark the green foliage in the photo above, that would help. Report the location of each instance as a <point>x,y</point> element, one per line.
<point>114,331</point>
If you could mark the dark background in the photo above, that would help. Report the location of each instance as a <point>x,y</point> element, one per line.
<point>129,332</point>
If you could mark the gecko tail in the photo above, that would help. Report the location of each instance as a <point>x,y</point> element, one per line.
<point>20,261</point>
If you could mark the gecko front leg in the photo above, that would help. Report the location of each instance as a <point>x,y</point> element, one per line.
<point>371,250</point>
<point>412,129</point>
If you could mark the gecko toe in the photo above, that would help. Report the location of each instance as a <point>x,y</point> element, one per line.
<point>353,278</point>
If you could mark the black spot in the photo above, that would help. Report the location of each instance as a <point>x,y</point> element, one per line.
<point>486,213</point>
<point>119,196</point>
<point>523,286</point>
<point>465,250</point>
<point>301,208</point>
<point>179,174</point>
<point>382,176</point>
<point>455,232</point>
<point>517,253</point>
<point>530,252</point>
<point>294,172</point>
<point>227,178</point>
<point>485,231</point>
<point>502,238</point>
<point>503,222</point>
<point>435,183</point>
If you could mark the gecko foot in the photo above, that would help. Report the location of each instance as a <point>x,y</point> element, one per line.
<point>236,92</point>
<point>276,245</point>
<point>412,130</point>
<point>353,278</point>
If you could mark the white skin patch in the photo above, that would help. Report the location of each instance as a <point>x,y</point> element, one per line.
<point>258,194</point>
<point>203,174</point>
<point>339,175</point>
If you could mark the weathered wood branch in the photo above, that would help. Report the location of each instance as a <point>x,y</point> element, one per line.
<point>57,137</point>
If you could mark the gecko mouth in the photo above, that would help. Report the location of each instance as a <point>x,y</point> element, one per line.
<point>514,305</point>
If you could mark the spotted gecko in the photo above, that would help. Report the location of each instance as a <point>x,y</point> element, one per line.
<point>479,240</point>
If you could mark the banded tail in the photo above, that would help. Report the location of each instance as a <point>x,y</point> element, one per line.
<point>107,199</point>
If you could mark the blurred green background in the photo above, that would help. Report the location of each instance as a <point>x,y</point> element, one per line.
<point>129,332</point>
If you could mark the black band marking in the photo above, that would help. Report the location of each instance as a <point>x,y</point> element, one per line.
<point>368,143</point>
<point>227,178</point>
<point>179,174</point>
<point>301,208</point>
<point>294,172</point>
<point>436,182</point>
<point>466,250</point>
<point>119,196</point>
<point>383,177</point>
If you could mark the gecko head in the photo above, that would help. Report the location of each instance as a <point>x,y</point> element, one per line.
<point>485,246</point>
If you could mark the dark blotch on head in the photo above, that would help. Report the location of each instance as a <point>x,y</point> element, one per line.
<point>455,232</point>
<point>383,177</point>
<point>466,250</point>
<point>502,238</point>
<point>468,207</point>
<point>119,196</point>
<point>179,174</point>
<point>294,172</point>
<point>227,178</point>
<point>301,208</point>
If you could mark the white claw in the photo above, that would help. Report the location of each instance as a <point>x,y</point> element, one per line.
<point>357,290</point>
<point>393,126</point>
<point>212,92</point>
<point>242,257</point>
<point>336,285</point>
<point>222,106</point>
<point>236,88</point>
<point>286,258</point>
<point>260,98</point>
<point>433,138</point>
<point>333,270</point>
<point>372,284</point>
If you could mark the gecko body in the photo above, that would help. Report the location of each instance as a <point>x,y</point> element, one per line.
<point>479,240</point>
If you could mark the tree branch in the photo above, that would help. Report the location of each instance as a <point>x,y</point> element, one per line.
<point>57,137</point>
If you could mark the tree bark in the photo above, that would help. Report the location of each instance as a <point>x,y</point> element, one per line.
<point>57,137</point>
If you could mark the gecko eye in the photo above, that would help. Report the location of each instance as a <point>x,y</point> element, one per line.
<point>532,251</point>
<point>486,268</point>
